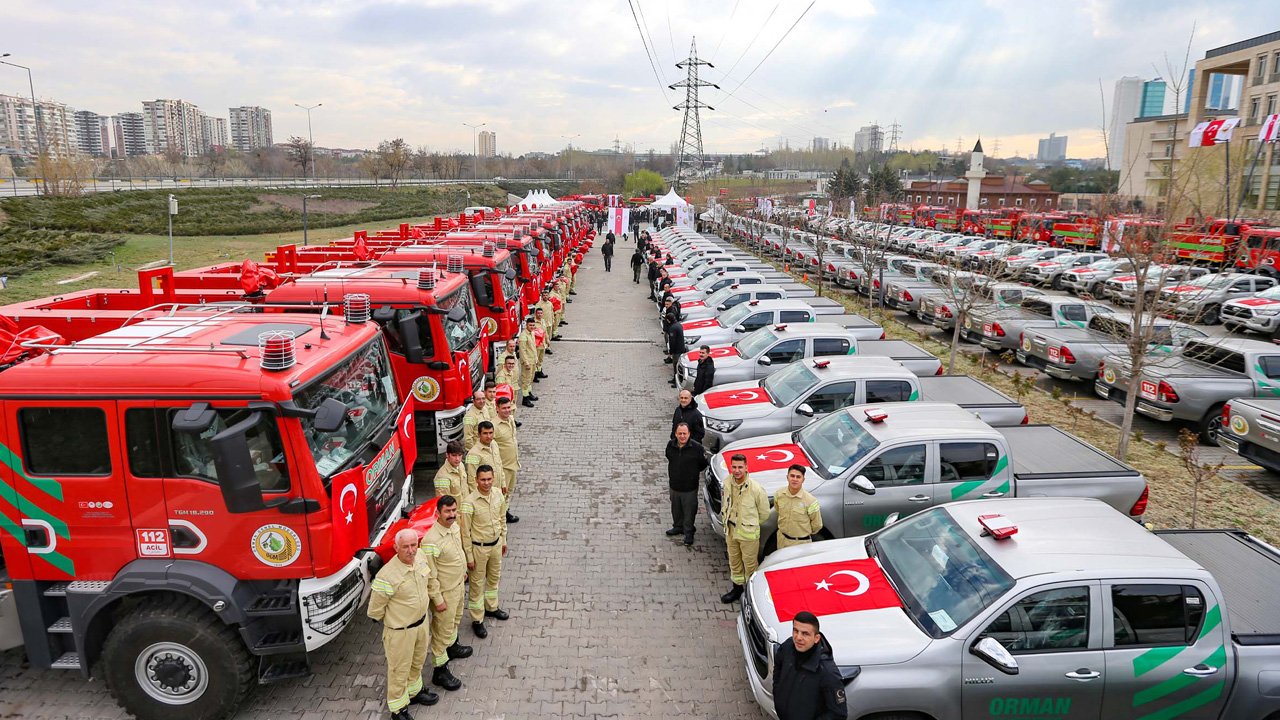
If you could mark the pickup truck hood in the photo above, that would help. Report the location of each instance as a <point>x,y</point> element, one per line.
<point>1255,302</point>
<point>881,636</point>
<point>768,457</point>
<point>687,304</point>
<point>737,401</point>
<point>706,324</point>
<point>725,356</point>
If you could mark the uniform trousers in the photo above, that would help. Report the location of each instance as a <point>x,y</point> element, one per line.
<point>406,654</point>
<point>743,557</point>
<point>444,625</point>
<point>483,590</point>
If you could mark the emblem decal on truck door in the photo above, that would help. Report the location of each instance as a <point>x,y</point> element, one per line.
<point>276,545</point>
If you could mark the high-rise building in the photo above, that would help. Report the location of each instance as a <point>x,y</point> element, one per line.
<point>129,135</point>
<point>1052,148</point>
<point>821,144</point>
<point>869,138</point>
<point>1223,94</point>
<point>1152,104</point>
<point>24,127</point>
<point>214,133</point>
<point>487,143</point>
<point>93,133</point>
<point>250,128</point>
<point>1125,102</point>
<point>173,124</point>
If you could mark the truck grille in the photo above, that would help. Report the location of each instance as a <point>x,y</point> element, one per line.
<point>1237,311</point>
<point>713,490</point>
<point>759,643</point>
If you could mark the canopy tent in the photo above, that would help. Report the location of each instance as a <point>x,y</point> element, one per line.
<point>545,198</point>
<point>670,200</point>
<point>530,200</point>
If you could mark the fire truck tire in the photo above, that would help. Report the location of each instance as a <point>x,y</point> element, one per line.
<point>171,657</point>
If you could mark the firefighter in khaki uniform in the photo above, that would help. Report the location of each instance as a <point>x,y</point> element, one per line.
<point>528,362</point>
<point>745,507</point>
<point>799,515</point>
<point>441,548</point>
<point>542,338</point>
<point>485,452</point>
<point>508,372</point>
<point>451,478</point>
<point>399,601</point>
<point>484,540</point>
<point>504,436</point>
<point>478,411</point>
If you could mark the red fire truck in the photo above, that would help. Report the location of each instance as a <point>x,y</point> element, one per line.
<point>192,503</point>
<point>1260,251</point>
<point>1077,233</point>
<point>925,216</point>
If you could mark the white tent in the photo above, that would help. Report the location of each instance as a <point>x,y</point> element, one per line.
<point>545,198</point>
<point>670,200</point>
<point>530,200</point>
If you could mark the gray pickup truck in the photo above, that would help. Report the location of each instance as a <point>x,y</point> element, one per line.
<point>734,295</point>
<point>918,277</point>
<point>1030,609</point>
<point>938,308</point>
<point>755,314</point>
<point>868,462</point>
<point>1193,383</point>
<point>1251,429</point>
<point>998,329</point>
<point>1202,299</point>
<point>1068,353</point>
<point>804,391</point>
<point>1048,273</point>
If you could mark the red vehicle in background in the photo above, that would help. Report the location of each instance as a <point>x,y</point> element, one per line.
<point>1005,225</point>
<point>1260,251</point>
<point>925,216</point>
<point>1079,233</point>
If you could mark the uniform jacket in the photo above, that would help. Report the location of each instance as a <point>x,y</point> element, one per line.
<point>504,436</point>
<point>446,561</point>
<point>484,520</point>
<point>810,689</point>
<point>481,454</point>
<point>503,378</point>
<point>799,515</point>
<point>706,376</point>
<point>746,507</point>
<point>470,420</point>
<point>399,593</point>
<point>528,348</point>
<point>684,465</point>
<point>451,480</point>
<point>691,415</point>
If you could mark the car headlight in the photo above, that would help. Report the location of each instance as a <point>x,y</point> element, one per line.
<point>721,425</point>
<point>1267,313</point>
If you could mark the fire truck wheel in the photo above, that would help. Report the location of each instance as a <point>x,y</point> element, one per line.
<point>173,656</point>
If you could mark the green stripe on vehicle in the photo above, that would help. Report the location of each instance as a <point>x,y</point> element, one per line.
<point>1218,658</point>
<point>1204,697</point>
<point>1155,657</point>
<point>961,489</point>
<point>52,488</point>
<point>32,510</point>
<point>915,395</point>
<point>56,559</point>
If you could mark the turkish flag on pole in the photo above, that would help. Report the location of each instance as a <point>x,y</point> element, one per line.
<point>349,517</point>
<point>830,588</point>
<point>1208,134</point>
<point>1270,131</point>
<point>407,435</point>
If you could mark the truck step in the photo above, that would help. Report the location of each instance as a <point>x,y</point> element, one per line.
<point>88,586</point>
<point>67,661</point>
<point>62,625</point>
<point>283,670</point>
<point>58,589</point>
<point>272,603</point>
<point>279,641</point>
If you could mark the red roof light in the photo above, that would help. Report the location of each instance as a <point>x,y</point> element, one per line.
<point>997,526</point>
<point>876,415</point>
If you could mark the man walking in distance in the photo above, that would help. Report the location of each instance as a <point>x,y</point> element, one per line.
<point>799,516</point>
<point>399,601</point>
<point>478,412</point>
<point>484,540</point>
<point>451,478</point>
<point>745,507</point>
<point>504,436</point>
<point>528,362</point>
<point>637,261</point>
<point>441,548</point>
<point>686,460</point>
<point>806,681</point>
<point>485,452</point>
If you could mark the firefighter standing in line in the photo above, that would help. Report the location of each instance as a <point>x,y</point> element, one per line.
<point>441,548</point>
<point>504,436</point>
<point>484,540</point>
<point>485,452</point>
<point>473,417</point>
<point>508,372</point>
<point>528,362</point>
<point>799,515</point>
<point>543,340</point>
<point>548,317</point>
<point>399,601</point>
<point>490,394</point>
<point>746,506</point>
<point>451,478</point>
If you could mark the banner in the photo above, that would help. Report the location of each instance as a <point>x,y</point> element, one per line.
<point>812,206</point>
<point>1208,134</point>
<point>684,215</point>
<point>614,201</point>
<point>832,588</point>
<point>619,220</point>
<point>1270,131</point>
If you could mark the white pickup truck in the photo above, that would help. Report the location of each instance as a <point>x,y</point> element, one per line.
<point>1030,609</point>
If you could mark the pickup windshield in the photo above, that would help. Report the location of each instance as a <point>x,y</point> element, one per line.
<point>364,384</point>
<point>731,318</point>
<point>462,333</point>
<point>835,443</point>
<point>717,298</point>
<point>755,343</point>
<point>790,383</point>
<point>944,579</point>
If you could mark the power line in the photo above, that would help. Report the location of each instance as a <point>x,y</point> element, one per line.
<point>726,30</point>
<point>670,35</point>
<point>645,22</point>
<point>775,46</point>
<point>661,85</point>
<point>763,25</point>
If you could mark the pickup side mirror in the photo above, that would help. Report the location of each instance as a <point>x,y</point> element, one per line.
<point>892,518</point>
<point>995,655</point>
<point>330,416</point>
<point>740,328</point>
<point>862,485</point>
<point>241,491</point>
<point>765,360</point>
<point>804,409</point>
<point>722,307</point>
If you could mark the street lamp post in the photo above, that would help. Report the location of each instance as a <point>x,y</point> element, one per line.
<point>311,142</point>
<point>305,198</point>
<point>35,111</point>
<point>475,156</point>
<point>570,139</point>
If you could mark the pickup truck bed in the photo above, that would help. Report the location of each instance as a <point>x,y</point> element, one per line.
<point>823,302</point>
<point>795,289</point>
<point>912,356</point>
<point>993,406</point>
<point>1248,572</point>
<point>1044,451</point>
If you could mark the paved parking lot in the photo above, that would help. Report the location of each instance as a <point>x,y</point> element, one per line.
<point>609,618</point>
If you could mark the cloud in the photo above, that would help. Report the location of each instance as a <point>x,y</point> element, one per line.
<point>536,71</point>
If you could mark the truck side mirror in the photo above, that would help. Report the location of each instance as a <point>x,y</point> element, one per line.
<point>511,274</point>
<point>195,419</point>
<point>804,409</point>
<point>384,314</point>
<point>995,655</point>
<point>411,336</point>
<point>457,314</point>
<point>241,491</point>
<point>330,416</point>
<point>480,289</point>
<point>862,485</point>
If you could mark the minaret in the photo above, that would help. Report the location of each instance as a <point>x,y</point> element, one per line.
<point>974,176</point>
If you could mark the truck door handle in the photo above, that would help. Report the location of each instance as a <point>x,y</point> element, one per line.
<point>993,494</point>
<point>919,498</point>
<point>1200,670</point>
<point>1084,674</point>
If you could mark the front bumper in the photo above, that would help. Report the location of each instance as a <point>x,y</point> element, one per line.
<point>710,490</point>
<point>763,694</point>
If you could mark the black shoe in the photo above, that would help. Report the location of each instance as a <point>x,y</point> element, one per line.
<point>527,402</point>
<point>549,352</point>
<point>672,532</point>
<point>537,379</point>
<point>572,292</point>
<point>481,632</point>
<point>402,715</point>
<point>498,614</point>
<point>512,518</point>
<point>425,697</point>
<point>441,677</point>
<point>732,595</point>
<point>532,397</point>
<point>556,337</point>
<point>567,299</point>
<point>458,652</point>
<point>688,540</point>
<point>672,383</point>
<point>668,360</point>
<point>562,322</point>
<point>540,374</point>
<point>520,424</point>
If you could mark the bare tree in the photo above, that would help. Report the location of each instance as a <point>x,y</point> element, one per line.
<point>394,157</point>
<point>1189,452</point>
<point>300,153</point>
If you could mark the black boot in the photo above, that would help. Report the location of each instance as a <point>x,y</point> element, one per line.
<point>445,679</point>
<point>672,532</point>
<point>549,352</point>
<point>402,714</point>
<point>538,375</point>
<point>479,629</point>
<point>532,397</point>
<point>425,697</point>
<point>458,652</point>
<point>556,337</point>
<point>498,614</point>
<point>536,378</point>
<point>732,595</point>
<point>526,402</point>
<point>512,518</point>
<point>562,322</point>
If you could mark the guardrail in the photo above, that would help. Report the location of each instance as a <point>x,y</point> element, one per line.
<point>19,186</point>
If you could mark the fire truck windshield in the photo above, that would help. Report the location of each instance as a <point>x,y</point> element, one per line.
<point>508,283</point>
<point>363,383</point>
<point>463,333</point>
<point>532,256</point>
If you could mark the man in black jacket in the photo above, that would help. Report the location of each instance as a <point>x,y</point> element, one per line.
<point>806,682</point>
<point>637,261</point>
<point>676,348</point>
<point>706,376</point>
<point>688,413</point>
<point>686,460</point>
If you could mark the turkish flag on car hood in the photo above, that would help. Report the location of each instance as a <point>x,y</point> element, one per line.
<point>769,457</point>
<point>699,324</point>
<point>716,352</point>
<point>729,398</point>
<point>692,304</point>
<point>830,588</point>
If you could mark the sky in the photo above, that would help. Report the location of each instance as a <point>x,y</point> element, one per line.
<point>544,73</point>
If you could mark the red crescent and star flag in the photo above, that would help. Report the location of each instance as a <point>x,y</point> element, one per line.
<point>830,588</point>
